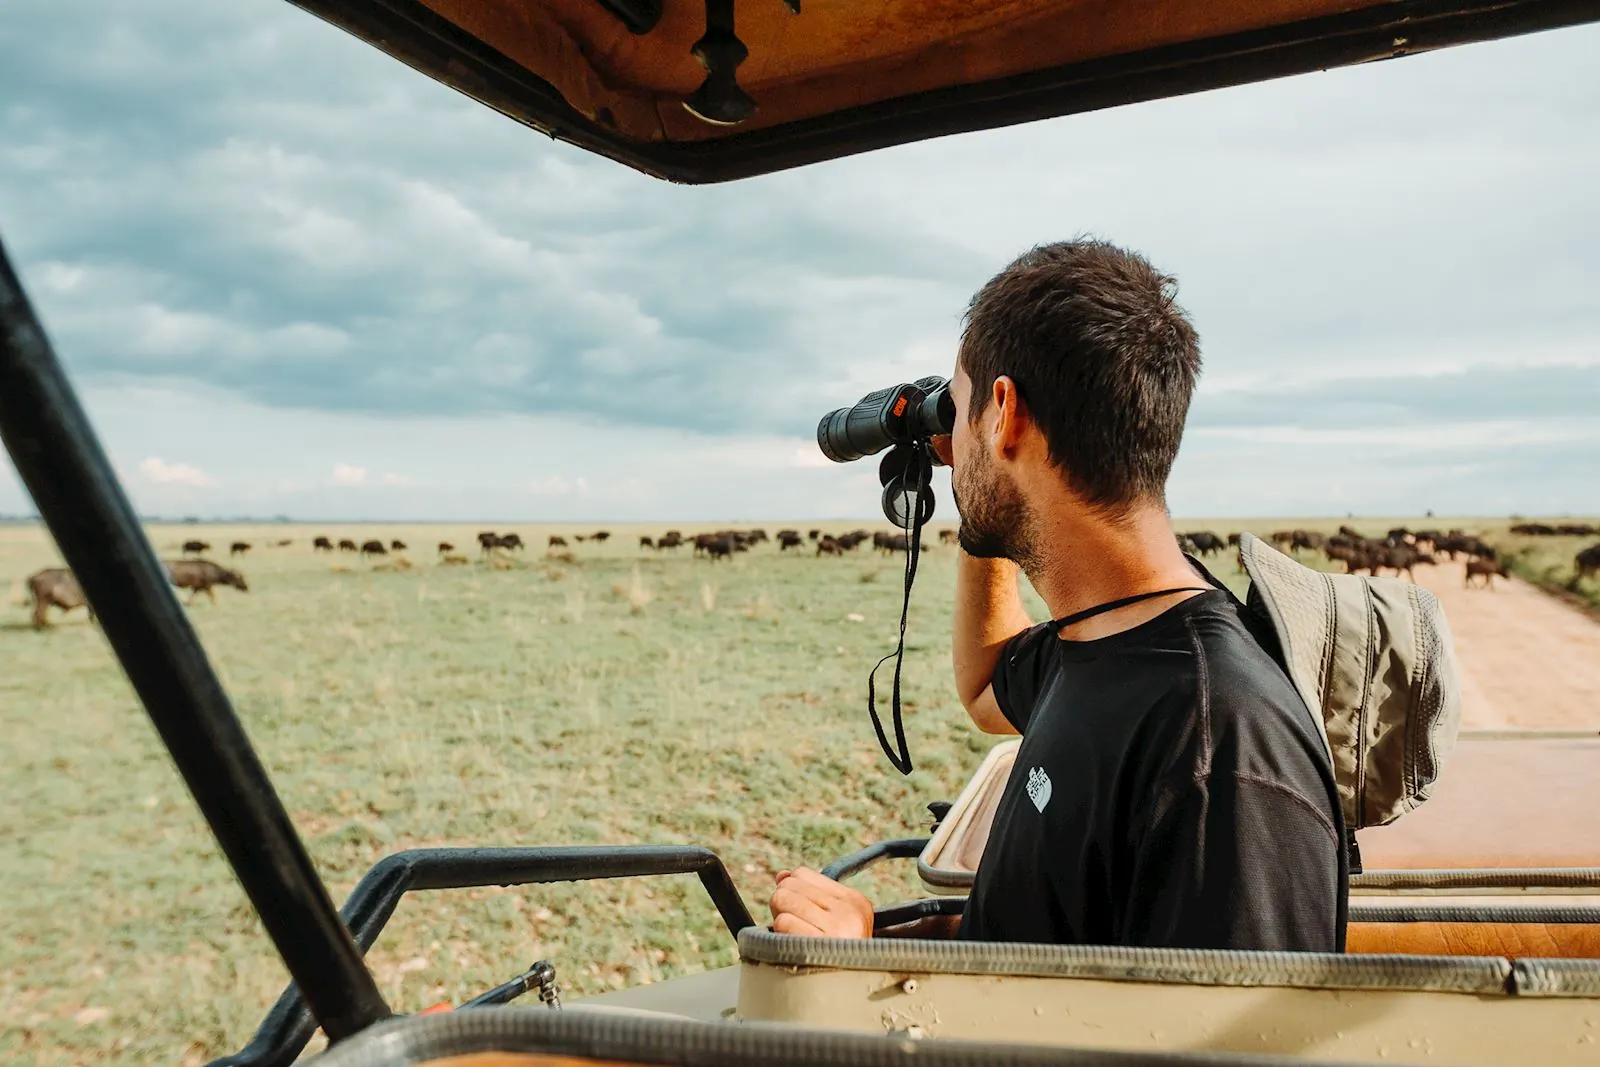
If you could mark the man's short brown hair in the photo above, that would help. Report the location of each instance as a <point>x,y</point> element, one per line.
<point>1104,359</point>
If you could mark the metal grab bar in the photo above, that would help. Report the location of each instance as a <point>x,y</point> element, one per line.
<point>289,1025</point>
<point>899,848</point>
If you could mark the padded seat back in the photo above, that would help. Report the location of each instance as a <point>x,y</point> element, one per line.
<point>1516,932</point>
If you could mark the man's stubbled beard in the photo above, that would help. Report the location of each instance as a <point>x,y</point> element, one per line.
<point>994,519</point>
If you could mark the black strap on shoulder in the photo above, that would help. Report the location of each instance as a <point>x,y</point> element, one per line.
<point>1112,605</point>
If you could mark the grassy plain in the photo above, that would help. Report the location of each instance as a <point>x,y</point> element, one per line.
<point>617,697</point>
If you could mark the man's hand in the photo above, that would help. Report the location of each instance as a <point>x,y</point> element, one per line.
<point>809,904</point>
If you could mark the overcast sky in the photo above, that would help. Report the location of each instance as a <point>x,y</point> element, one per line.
<point>292,276</point>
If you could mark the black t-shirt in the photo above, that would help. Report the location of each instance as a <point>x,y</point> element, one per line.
<point>1171,789</point>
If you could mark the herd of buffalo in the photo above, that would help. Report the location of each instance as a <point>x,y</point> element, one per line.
<point>1400,550</point>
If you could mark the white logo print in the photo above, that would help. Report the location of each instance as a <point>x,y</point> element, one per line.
<point>1039,788</point>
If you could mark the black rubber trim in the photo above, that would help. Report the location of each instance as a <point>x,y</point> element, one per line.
<point>424,40</point>
<point>409,1042</point>
<point>1457,913</point>
<point>1481,975</point>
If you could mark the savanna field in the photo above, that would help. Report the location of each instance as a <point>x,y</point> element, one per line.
<point>611,695</point>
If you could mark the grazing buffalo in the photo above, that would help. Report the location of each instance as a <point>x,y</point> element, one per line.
<point>55,587</point>
<point>602,537</point>
<point>829,546</point>
<point>1233,540</point>
<point>716,546</point>
<point>373,548</point>
<point>445,548</point>
<point>512,540</point>
<point>1401,558</point>
<point>202,576</point>
<point>788,539</point>
<point>195,548</point>
<point>322,544</point>
<point>397,546</point>
<point>1203,542</point>
<point>813,535</point>
<point>852,540</point>
<point>1487,569</point>
<point>557,541</point>
<point>1587,562</point>
<point>645,542</point>
<point>488,541</point>
<point>890,543</point>
<point>948,537</point>
<point>238,548</point>
<point>347,545</point>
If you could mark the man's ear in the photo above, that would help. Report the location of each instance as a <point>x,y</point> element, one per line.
<point>1012,419</point>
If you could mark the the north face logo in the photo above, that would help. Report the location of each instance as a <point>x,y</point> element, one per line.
<point>1039,787</point>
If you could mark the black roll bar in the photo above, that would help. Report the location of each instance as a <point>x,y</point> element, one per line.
<point>899,848</point>
<point>76,491</point>
<point>289,1026</point>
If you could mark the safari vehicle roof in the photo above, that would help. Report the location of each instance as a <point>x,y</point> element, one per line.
<point>830,78</point>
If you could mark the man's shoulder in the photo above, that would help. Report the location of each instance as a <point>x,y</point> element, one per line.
<point>1232,664</point>
<point>1232,708</point>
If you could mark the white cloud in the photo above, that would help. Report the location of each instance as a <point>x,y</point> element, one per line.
<point>345,474</point>
<point>397,481</point>
<point>556,485</point>
<point>158,471</point>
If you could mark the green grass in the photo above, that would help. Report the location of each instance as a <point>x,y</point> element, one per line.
<point>1548,562</point>
<point>618,698</point>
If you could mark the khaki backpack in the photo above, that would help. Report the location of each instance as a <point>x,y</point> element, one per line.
<point>1373,657</point>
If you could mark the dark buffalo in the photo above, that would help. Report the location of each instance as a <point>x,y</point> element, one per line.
<point>488,541</point>
<point>557,541</point>
<point>889,543</point>
<point>602,536</point>
<point>645,542</point>
<point>55,587</point>
<point>788,539</point>
<point>948,537</point>
<point>717,546</point>
<point>852,540</point>
<point>445,547</point>
<point>397,546</point>
<point>812,535</point>
<point>1205,542</point>
<point>1487,569</point>
<point>512,540</point>
<point>373,548</point>
<point>1401,558</point>
<point>202,576</point>
<point>238,548</point>
<point>1587,562</point>
<point>322,544</point>
<point>829,546</point>
<point>347,545</point>
<point>195,548</point>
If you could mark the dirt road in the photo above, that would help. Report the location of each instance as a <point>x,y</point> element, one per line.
<point>1527,660</point>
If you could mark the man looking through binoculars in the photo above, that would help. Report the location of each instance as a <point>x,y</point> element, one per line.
<point>1172,788</point>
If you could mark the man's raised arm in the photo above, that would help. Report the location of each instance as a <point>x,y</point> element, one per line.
<point>989,613</point>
